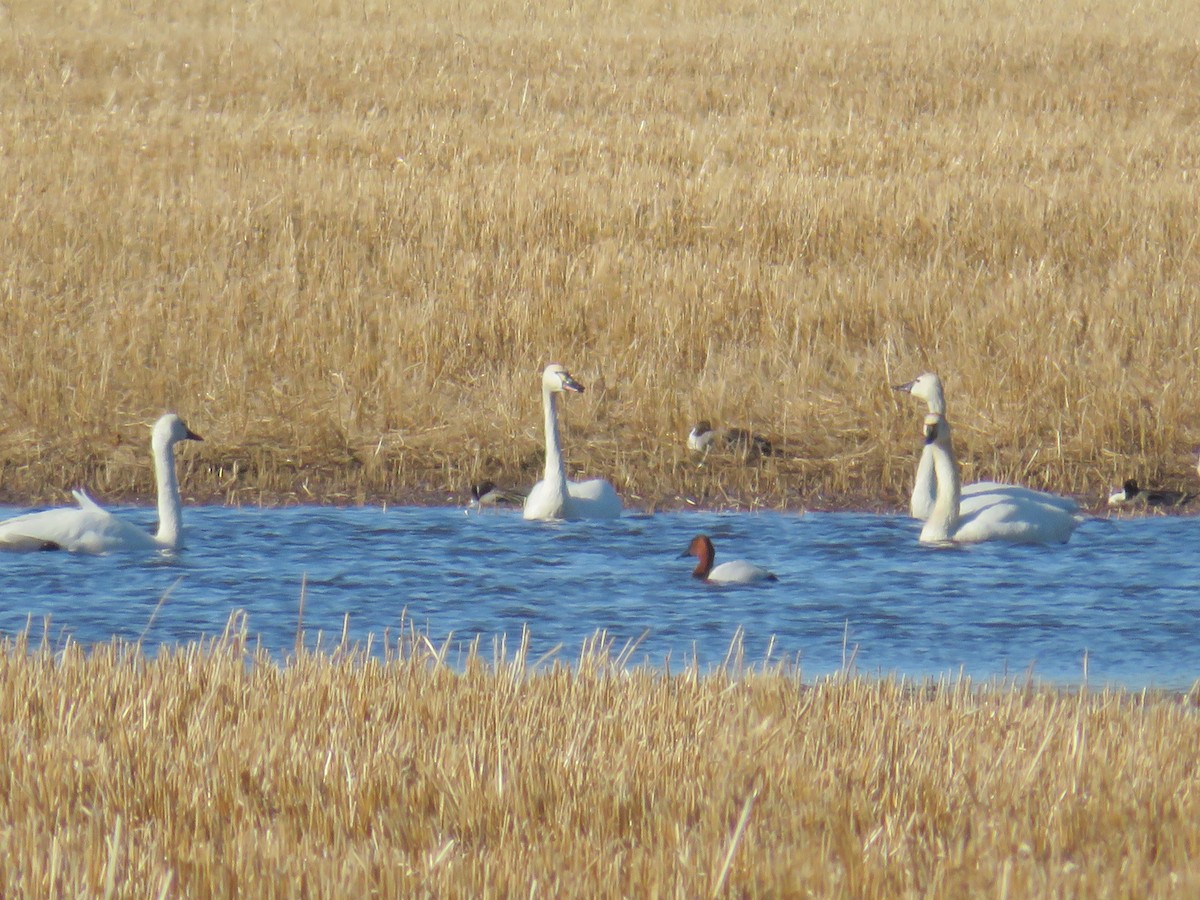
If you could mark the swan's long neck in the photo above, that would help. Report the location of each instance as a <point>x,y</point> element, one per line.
<point>943,520</point>
<point>556,471</point>
<point>170,518</point>
<point>924,488</point>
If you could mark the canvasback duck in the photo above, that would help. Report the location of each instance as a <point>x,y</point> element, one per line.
<point>736,572</point>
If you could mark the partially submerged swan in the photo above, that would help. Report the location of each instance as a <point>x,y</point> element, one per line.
<point>985,517</point>
<point>703,438</point>
<point>737,571</point>
<point>1132,495</point>
<point>928,387</point>
<point>89,528</point>
<point>554,497</point>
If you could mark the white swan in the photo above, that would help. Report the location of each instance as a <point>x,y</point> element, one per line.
<point>928,387</point>
<point>736,572</point>
<point>554,497</point>
<point>90,529</point>
<point>985,517</point>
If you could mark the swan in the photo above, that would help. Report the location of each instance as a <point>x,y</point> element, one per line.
<point>554,497</point>
<point>1130,494</point>
<point>987,517</point>
<point>703,438</point>
<point>928,387</point>
<point>89,528</point>
<point>736,572</point>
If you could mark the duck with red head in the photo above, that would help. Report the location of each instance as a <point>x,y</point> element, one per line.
<point>736,572</point>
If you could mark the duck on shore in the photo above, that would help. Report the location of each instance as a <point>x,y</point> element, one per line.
<point>1133,495</point>
<point>703,438</point>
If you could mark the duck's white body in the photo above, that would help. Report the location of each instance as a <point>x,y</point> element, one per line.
<point>89,528</point>
<point>554,497</point>
<point>989,517</point>
<point>736,571</point>
<point>739,571</point>
<point>928,387</point>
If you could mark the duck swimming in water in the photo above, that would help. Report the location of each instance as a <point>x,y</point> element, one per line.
<point>736,572</point>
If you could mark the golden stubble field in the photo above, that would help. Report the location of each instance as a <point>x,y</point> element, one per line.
<point>343,239</point>
<point>213,770</point>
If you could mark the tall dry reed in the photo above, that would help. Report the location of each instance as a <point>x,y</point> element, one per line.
<point>210,770</point>
<point>343,239</point>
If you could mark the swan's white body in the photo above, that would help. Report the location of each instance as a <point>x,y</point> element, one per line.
<point>928,387</point>
<point>988,517</point>
<point>554,497</point>
<point>89,528</point>
<point>736,571</point>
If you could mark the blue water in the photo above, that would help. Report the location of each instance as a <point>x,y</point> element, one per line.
<point>853,588</point>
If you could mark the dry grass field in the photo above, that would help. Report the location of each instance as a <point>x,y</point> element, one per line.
<point>214,771</point>
<point>342,239</point>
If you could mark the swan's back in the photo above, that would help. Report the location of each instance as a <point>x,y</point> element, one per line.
<point>594,499</point>
<point>1016,519</point>
<point>84,529</point>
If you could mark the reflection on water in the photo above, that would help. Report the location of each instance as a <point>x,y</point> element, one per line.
<point>1123,592</point>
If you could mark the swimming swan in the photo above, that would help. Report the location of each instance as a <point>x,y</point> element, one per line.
<point>554,497</point>
<point>928,387</point>
<point>736,572</point>
<point>990,517</point>
<point>90,529</point>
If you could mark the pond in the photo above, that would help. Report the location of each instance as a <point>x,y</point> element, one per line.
<point>1117,605</point>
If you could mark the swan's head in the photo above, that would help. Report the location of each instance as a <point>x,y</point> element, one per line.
<point>170,430</point>
<point>701,436</point>
<point>556,379</point>
<point>927,387</point>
